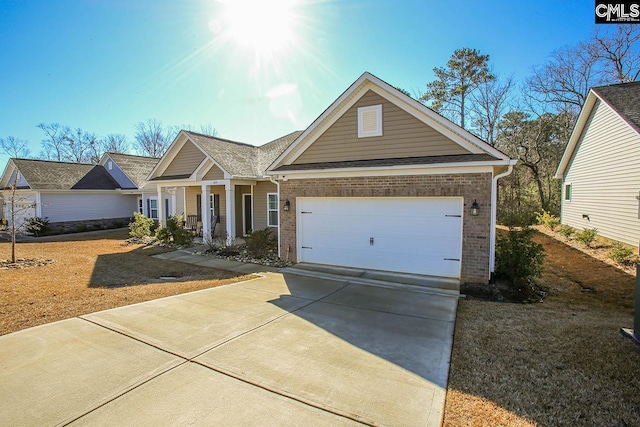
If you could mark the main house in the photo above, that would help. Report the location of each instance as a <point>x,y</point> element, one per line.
<point>378,181</point>
<point>74,195</point>
<point>599,168</point>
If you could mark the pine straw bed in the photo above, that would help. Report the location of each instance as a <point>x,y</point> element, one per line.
<point>560,362</point>
<point>91,272</point>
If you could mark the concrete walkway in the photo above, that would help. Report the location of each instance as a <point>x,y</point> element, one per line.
<point>282,349</point>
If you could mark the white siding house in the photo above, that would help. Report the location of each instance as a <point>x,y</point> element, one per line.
<point>600,169</point>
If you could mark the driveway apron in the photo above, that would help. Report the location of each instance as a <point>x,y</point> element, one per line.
<point>279,350</point>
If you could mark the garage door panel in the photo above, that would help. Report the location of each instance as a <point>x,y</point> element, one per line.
<point>416,235</point>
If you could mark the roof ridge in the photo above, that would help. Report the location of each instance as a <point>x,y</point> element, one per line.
<point>132,155</point>
<point>52,161</point>
<point>218,139</point>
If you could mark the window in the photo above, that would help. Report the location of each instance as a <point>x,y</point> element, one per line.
<point>140,208</point>
<point>370,121</point>
<point>272,209</point>
<point>214,206</point>
<point>567,192</point>
<point>110,164</point>
<point>153,208</point>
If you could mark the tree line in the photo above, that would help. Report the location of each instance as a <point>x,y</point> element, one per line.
<point>65,144</point>
<point>532,121</point>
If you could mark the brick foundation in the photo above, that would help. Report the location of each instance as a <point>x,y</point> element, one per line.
<point>475,229</point>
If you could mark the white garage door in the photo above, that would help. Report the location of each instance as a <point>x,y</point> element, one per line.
<point>412,235</point>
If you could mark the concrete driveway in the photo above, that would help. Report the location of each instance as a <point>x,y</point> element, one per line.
<point>283,349</point>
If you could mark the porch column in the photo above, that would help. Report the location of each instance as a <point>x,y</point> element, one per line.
<point>161,220</point>
<point>231,212</point>
<point>206,215</point>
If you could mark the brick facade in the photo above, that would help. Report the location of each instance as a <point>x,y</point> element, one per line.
<point>473,186</point>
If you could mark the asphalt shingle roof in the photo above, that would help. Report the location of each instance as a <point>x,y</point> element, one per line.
<point>624,98</point>
<point>50,175</point>
<point>240,159</point>
<point>457,158</point>
<point>96,179</point>
<point>137,168</point>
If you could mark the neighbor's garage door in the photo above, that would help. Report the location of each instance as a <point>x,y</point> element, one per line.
<point>412,235</point>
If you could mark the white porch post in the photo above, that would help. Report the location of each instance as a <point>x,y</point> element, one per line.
<point>161,220</point>
<point>231,212</point>
<point>206,216</point>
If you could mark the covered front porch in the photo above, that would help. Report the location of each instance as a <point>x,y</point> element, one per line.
<point>236,206</point>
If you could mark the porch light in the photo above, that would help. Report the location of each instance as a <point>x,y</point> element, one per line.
<point>475,208</point>
<point>287,205</point>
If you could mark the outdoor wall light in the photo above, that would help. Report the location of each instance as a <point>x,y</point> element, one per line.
<point>287,205</point>
<point>475,208</point>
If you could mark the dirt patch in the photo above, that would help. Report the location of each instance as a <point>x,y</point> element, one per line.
<point>560,362</point>
<point>92,271</point>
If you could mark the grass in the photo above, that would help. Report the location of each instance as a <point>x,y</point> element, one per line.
<point>92,272</point>
<point>560,362</point>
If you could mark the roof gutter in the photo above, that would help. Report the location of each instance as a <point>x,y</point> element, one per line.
<point>494,213</point>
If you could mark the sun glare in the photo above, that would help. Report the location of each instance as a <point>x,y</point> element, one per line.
<point>264,26</point>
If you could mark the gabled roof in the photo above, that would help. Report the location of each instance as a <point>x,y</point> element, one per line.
<point>365,82</point>
<point>96,179</point>
<point>50,175</point>
<point>137,168</point>
<point>623,99</point>
<point>235,158</point>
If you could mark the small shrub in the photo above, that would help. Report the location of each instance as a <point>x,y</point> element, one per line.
<point>261,242</point>
<point>174,233</point>
<point>621,255</point>
<point>587,236</point>
<point>518,258</point>
<point>140,226</point>
<point>566,230</point>
<point>37,226</point>
<point>547,220</point>
<point>81,228</point>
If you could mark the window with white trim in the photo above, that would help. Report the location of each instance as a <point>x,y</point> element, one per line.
<point>272,209</point>
<point>214,206</point>
<point>140,206</point>
<point>370,121</point>
<point>153,208</point>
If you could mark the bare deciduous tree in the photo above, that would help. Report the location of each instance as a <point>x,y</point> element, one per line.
<point>55,143</point>
<point>151,138</point>
<point>565,79</point>
<point>115,143</point>
<point>17,206</point>
<point>619,51</point>
<point>81,147</point>
<point>15,147</point>
<point>489,103</point>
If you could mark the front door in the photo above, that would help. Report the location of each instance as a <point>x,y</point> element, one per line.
<point>247,217</point>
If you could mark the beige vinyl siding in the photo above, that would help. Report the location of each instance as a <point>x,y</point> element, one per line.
<point>605,178</point>
<point>186,161</point>
<point>192,207</point>
<point>214,173</point>
<point>403,135</point>
<point>260,191</point>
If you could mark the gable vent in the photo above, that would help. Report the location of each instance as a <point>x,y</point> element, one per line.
<point>370,121</point>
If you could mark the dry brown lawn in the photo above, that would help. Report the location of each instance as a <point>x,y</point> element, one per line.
<point>92,271</point>
<point>562,362</point>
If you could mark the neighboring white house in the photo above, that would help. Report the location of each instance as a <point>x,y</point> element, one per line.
<point>600,168</point>
<point>72,192</point>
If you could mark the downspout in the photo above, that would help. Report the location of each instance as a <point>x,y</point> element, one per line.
<point>277,183</point>
<point>494,213</point>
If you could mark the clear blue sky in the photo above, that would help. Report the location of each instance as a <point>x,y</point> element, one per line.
<point>104,65</point>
